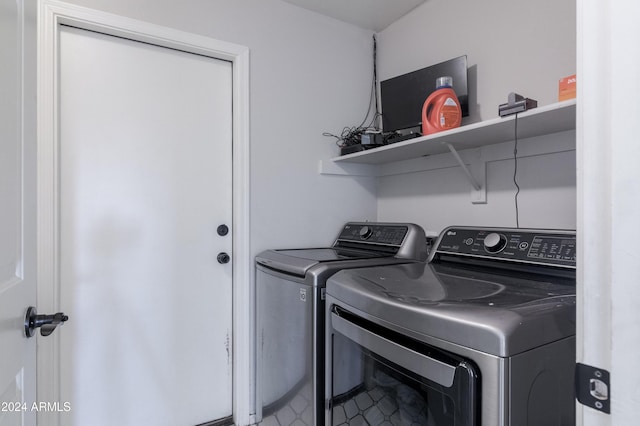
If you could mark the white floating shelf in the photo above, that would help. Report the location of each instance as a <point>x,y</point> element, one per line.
<point>548,119</point>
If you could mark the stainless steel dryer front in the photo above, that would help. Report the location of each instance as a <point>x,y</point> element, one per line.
<point>483,334</point>
<point>291,313</point>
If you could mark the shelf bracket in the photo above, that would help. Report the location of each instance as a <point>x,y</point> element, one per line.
<point>472,180</point>
<point>479,191</point>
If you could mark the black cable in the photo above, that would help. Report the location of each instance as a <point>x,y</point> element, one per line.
<point>352,135</point>
<point>515,171</point>
<point>348,136</point>
<point>373,96</point>
<point>375,75</point>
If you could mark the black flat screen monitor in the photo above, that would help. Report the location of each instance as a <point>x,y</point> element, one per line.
<point>403,96</point>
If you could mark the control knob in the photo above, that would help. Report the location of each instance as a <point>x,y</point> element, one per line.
<point>365,232</point>
<point>494,242</point>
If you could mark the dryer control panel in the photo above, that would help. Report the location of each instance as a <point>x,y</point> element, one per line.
<point>403,240</point>
<point>374,233</point>
<point>534,246</point>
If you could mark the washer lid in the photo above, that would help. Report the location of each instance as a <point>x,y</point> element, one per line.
<point>299,261</point>
<point>500,314</point>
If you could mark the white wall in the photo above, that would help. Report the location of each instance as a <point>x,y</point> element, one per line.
<point>440,198</point>
<point>309,74</point>
<point>510,45</point>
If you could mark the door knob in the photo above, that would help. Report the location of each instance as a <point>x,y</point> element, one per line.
<point>46,323</point>
<point>223,257</point>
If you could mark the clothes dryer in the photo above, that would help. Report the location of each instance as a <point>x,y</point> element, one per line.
<point>483,334</point>
<point>291,313</point>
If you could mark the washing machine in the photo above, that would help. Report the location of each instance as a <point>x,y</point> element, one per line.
<point>482,334</point>
<point>290,298</point>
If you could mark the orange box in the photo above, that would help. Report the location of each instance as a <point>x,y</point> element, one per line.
<point>567,88</point>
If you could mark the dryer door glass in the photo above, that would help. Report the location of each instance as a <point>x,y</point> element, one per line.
<point>380,378</point>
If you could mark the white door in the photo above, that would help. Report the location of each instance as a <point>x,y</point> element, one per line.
<point>145,161</point>
<point>17,226</point>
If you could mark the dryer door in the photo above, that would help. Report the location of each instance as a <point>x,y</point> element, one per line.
<point>402,381</point>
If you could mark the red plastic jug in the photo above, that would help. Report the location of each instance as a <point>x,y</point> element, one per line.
<point>441,110</point>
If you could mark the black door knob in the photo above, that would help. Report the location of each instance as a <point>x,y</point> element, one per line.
<point>46,323</point>
<point>223,258</point>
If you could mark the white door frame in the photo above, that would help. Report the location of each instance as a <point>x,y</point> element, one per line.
<point>608,203</point>
<point>52,14</point>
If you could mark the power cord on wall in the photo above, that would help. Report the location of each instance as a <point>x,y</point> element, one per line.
<point>515,171</point>
<point>351,135</point>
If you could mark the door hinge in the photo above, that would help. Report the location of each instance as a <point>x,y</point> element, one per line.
<point>593,387</point>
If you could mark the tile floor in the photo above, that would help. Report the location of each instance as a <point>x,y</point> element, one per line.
<point>395,404</point>
<point>297,412</point>
<point>375,407</point>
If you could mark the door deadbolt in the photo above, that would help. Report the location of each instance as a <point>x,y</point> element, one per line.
<point>223,230</point>
<point>46,323</point>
